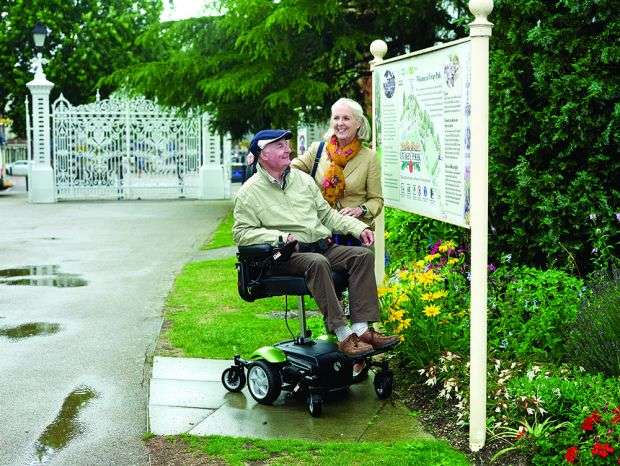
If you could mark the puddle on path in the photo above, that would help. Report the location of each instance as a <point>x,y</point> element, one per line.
<point>31,329</point>
<point>65,427</point>
<point>40,275</point>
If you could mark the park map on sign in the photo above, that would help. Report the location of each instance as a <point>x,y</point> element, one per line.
<point>422,110</point>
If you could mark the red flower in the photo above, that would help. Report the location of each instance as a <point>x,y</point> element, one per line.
<point>588,423</point>
<point>602,449</point>
<point>616,418</point>
<point>571,454</point>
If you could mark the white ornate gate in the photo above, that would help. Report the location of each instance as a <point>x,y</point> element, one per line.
<point>122,148</point>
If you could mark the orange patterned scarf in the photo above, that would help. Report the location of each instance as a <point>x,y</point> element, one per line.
<point>333,182</point>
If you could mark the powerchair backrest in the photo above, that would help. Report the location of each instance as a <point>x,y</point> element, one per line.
<point>255,279</point>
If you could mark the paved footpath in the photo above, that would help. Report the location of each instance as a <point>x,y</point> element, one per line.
<point>76,392</point>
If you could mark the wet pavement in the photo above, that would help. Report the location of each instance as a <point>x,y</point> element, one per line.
<point>80,318</point>
<point>187,395</point>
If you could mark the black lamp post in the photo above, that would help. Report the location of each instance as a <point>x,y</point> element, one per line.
<point>39,33</point>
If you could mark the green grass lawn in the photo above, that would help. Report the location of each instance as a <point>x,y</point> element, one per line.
<point>222,236</point>
<point>209,320</point>
<point>241,451</point>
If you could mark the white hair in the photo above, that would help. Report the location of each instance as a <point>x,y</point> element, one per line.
<point>363,133</point>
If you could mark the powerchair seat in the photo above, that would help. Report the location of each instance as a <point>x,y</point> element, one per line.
<point>255,280</point>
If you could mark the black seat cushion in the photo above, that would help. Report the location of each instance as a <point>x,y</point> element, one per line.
<point>280,285</point>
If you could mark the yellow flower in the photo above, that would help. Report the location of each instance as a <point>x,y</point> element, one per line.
<point>452,260</point>
<point>431,310</point>
<point>396,315</point>
<point>447,246</point>
<point>428,296</point>
<point>403,274</point>
<point>420,264</point>
<point>382,291</point>
<point>431,257</point>
<point>440,294</point>
<point>402,299</point>
<point>428,277</point>
<point>403,325</point>
<point>401,338</point>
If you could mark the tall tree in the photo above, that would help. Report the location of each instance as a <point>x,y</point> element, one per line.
<point>261,61</point>
<point>89,39</point>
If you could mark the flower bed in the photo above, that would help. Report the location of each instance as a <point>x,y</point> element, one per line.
<point>543,407</point>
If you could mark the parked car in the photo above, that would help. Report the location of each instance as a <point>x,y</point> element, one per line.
<point>237,172</point>
<point>5,183</point>
<point>18,168</point>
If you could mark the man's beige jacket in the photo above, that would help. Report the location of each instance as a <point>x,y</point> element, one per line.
<point>265,211</point>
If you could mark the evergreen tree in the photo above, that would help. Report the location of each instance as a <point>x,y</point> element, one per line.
<point>555,132</point>
<point>261,62</point>
<point>89,40</point>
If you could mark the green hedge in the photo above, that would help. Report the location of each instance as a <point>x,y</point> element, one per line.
<point>555,132</point>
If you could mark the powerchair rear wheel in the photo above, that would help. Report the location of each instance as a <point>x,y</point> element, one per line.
<point>264,382</point>
<point>384,383</point>
<point>233,379</point>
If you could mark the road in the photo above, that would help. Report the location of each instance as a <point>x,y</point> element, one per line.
<point>76,393</point>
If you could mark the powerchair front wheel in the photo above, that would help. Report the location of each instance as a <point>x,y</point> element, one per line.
<point>264,382</point>
<point>315,404</point>
<point>233,379</point>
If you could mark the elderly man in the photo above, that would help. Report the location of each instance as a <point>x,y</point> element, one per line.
<point>277,202</point>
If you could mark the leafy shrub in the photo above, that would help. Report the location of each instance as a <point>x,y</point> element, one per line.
<point>427,304</point>
<point>565,395</point>
<point>530,312</point>
<point>599,439</point>
<point>595,338</point>
<point>410,236</point>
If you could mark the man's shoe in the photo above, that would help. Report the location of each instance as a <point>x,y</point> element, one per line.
<point>376,340</point>
<point>352,346</point>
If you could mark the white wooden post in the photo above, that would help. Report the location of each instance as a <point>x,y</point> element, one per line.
<point>480,31</point>
<point>378,49</point>
<point>42,183</point>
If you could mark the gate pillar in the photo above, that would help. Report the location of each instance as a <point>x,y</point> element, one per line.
<point>42,183</point>
<point>214,178</point>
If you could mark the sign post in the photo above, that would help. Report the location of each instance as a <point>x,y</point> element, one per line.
<point>479,33</point>
<point>430,131</point>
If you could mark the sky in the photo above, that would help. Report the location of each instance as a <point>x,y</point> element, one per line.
<point>183,9</point>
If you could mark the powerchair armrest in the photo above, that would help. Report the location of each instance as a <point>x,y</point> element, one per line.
<point>255,252</point>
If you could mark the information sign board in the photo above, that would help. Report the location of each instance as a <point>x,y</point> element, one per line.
<point>422,118</point>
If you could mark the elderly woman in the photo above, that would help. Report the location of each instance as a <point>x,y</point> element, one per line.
<point>347,172</point>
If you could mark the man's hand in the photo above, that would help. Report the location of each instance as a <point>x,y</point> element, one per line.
<point>367,237</point>
<point>291,238</point>
<point>356,212</point>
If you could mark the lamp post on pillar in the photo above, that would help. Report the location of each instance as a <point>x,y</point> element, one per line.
<point>42,182</point>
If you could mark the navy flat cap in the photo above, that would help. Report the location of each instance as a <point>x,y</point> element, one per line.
<point>267,136</point>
